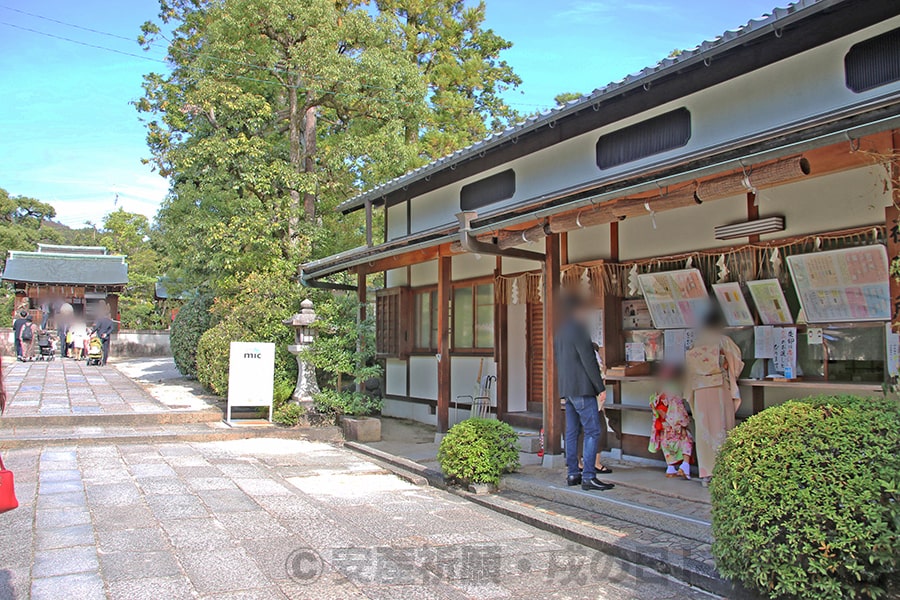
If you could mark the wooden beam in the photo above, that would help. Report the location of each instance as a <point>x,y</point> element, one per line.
<point>443,298</point>
<point>614,242</point>
<point>553,418</point>
<point>402,260</point>
<point>501,344</point>
<point>369,240</point>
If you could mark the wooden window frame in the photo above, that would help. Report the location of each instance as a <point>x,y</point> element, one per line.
<point>434,334</point>
<point>393,315</point>
<point>474,350</point>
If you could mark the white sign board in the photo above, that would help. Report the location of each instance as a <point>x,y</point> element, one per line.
<point>251,375</point>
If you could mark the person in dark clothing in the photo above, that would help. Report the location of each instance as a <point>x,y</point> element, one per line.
<point>104,330</point>
<point>18,324</point>
<point>580,383</point>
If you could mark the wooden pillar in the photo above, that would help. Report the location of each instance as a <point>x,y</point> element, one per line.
<point>443,298</point>
<point>360,317</point>
<point>553,425</point>
<point>369,223</point>
<point>892,221</point>
<point>501,348</point>
<point>112,302</point>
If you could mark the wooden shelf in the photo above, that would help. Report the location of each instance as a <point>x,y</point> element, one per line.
<point>801,383</point>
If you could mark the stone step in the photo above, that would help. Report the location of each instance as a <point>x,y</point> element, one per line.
<point>525,420</point>
<point>535,407</point>
<point>26,437</point>
<point>129,419</point>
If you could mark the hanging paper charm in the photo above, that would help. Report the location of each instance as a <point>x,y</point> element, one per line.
<point>633,286</point>
<point>514,292</point>
<point>689,263</point>
<point>775,261</point>
<point>586,281</point>
<point>723,268</point>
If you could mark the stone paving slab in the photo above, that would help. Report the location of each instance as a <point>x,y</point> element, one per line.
<point>271,518</point>
<point>69,387</point>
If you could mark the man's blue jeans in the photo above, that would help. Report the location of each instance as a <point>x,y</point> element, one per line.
<point>582,412</point>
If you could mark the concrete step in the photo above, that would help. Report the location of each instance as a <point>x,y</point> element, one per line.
<point>529,441</point>
<point>28,437</point>
<point>130,419</point>
<point>535,407</point>
<point>525,420</point>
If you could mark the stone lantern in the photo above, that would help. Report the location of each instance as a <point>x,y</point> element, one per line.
<point>304,335</point>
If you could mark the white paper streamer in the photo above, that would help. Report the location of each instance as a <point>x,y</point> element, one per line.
<point>633,285</point>
<point>723,268</point>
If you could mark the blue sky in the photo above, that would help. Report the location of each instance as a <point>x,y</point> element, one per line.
<point>69,136</point>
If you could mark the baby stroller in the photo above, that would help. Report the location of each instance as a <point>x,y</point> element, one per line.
<point>95,351</point>
<point>45,347</point>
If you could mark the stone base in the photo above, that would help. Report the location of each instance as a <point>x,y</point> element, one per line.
<point>480,489</point>
<point>554,461</point>
<point>361,429</point>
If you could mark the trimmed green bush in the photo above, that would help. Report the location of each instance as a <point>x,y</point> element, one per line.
<point>479,451</point>
<point>191,322</point>
<point>331,402</point>
<point>806,499</point>
<point>253,312</point>
<point>288,414</point>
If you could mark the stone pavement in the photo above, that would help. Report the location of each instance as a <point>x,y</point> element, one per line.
<point>647,518</point>
<point>66,387</point>
<point>275,519</point>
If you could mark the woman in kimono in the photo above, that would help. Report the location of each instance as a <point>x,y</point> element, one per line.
<point>670,431</point>
<point>712,369</point>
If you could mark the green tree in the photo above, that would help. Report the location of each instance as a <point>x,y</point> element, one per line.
<point>130,234</point>
<point>462,66</point>
<point>23,223</point>
<point>565,97</point>
<point>273,112</point>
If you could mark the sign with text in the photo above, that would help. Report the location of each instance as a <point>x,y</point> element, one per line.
<point>843,285</point>
<point>251,375</point>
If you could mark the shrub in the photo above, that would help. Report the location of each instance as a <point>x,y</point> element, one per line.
<point>330,402</point>
<point>252,312</point>
<point>288,414</point>
<point>479,451</point>
<point>192,321</point>
<point>806,499</point>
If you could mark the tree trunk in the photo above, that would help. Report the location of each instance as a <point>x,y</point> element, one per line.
<point>294,126</point>
<point>309,162</point>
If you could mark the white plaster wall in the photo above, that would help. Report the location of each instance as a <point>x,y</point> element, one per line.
<point>791,90</point>
<point>590,243</point>
<point>396,221</point>
<point>518,265</point>
<point>422,413</point>
<point>395,377</point>
<point>836,201</point>
<point>423,377</point>
<point>464,376</point>
<point>517,389</point>
<point>396,278</point>
<point>679,230</point>
<point>424,274</point>
<point>468,266</point>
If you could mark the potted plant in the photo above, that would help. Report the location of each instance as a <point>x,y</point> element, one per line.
<point>353,410</point>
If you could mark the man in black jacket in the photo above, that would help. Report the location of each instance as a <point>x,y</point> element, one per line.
<point>18,324</point>
<point>580,383</point>
<point>104,330</point>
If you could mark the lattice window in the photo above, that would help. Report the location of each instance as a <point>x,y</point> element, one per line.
<point>392,319</point>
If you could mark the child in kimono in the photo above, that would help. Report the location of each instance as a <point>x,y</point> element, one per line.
<point>670,431</point>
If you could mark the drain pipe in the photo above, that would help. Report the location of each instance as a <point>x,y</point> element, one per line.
<point>470,244</point>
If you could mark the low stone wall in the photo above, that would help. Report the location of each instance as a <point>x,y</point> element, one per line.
<point>128,343</point>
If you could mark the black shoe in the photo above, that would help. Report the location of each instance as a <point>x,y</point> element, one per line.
<point>596,485</point>
<point>574,479</point>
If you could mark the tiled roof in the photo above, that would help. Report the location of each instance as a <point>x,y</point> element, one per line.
<point>66,268</point>
<point>703,52</point>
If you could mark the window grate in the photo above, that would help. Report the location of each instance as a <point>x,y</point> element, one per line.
<point>873,62</point>
<point>665,132</point>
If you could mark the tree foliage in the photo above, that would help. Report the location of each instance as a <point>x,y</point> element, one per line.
<point>24,222</point>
